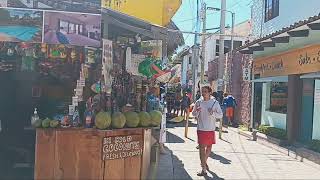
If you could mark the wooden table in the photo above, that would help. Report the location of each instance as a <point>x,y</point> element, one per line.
<point>92,154</point>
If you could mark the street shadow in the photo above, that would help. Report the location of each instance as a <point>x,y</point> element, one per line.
<point>181,124</point>
<point>225,141</point>
<point>214,176</point>
<point>172,138</point>
<point>222,159</point>
<point>178,168</point>
<point>191,139</point>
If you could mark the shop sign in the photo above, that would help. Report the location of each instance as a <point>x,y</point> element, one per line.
<point>107,63</point>
<point>157,12</point>
<point>121,147</point>
<point>301,61</point>
<point>246,74</point>
<point>151,48</point>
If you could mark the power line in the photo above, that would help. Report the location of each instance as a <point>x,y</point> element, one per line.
<point>192,18</point>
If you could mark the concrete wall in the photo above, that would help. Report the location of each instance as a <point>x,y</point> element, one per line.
<point>290,11</point>
<point>273,119</point>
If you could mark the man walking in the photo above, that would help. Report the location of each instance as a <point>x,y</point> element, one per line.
<point>185,106</point>
<point>229,104</point>
<point>207,110</point>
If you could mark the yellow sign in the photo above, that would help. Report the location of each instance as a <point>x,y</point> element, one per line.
<point>157,12</point>
<point>301,61</point>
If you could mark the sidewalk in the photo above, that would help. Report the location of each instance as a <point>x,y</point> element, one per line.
<point>234,157</point>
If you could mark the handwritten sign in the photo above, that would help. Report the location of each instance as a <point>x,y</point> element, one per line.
<point>300,61</point>
<point>121,147</point>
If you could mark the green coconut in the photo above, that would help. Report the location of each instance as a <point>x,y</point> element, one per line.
<point>103,120</point>
<point>46,123</point>
<point>132,119</point>
<point>118,120</point>
<point>145,119</point>
<point>54,123</point>
<point>156,118</point>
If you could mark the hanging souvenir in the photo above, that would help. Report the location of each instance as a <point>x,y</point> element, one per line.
<point>58,51</point>
<point>90,56</point>
<point>73,55</point>
<point>44,48</point>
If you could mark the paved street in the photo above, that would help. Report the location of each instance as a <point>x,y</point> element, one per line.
<point>235,157</point>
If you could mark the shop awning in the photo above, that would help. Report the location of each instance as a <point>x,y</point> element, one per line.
<point>271,79</point>
<point>157,12</point>
<point>120,24</point>
<point>298,29</point>
<point>310,75</point>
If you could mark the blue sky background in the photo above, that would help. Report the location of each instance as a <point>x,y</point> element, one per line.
<point>185,18</point>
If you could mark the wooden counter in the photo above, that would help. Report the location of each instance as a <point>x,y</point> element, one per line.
<point>86,154</point>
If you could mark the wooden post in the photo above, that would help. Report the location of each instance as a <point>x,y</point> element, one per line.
<point>186,115</point>
<point>186,128</point>
<point>220,129</point>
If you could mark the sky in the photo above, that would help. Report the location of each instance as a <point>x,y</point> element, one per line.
<point>185,18</point>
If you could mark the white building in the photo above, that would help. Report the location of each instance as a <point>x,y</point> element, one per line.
<point>282,13</point>
<point>242,33</point>
<point>286,30</point>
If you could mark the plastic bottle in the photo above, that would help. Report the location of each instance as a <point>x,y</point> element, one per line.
<point>76,118</point>
<point>34,117</point>
<point>88,118</point>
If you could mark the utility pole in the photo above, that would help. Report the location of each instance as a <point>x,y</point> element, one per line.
<point>232,31</point>
<point>195,56</point>
<point>221,45</point>
<point>203,44</point>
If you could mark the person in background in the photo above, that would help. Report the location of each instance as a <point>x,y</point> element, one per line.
<point>177,104</point>
<point>185,106</point>
<point>198,95</point>
<point>229,104</point>
<point>215,95</point>
<point>206,111</point>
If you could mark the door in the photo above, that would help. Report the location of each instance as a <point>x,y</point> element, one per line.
<point>257,105</point>
<point>307,110</point>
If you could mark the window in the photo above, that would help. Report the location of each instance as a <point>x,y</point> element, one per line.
<point>278,97</point>
<point>271,9</point>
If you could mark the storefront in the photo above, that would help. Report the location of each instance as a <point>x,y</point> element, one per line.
<point>285,80</point>
<point>55,83</point>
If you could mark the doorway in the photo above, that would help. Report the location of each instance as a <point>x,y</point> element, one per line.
<point>305,132</point>
<point>257,105</point>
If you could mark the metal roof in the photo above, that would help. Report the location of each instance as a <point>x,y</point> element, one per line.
<point>298,29</point>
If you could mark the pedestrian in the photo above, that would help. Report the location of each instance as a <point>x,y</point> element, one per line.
<point>198,95</point>
<point>185,106</point>
<point>229,104</point>
<point>177,104</point>
<point>207,109</point>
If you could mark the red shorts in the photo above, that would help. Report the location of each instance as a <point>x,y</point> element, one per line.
<point>206,137</point>
<point>229,112</point>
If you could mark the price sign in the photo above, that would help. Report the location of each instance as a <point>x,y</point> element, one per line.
<point>121,147</point>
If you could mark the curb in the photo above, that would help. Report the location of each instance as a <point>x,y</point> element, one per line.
<point>299,153</point>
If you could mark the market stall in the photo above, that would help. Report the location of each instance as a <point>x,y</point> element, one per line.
<point>106,134</point>
<point>80,97</point>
